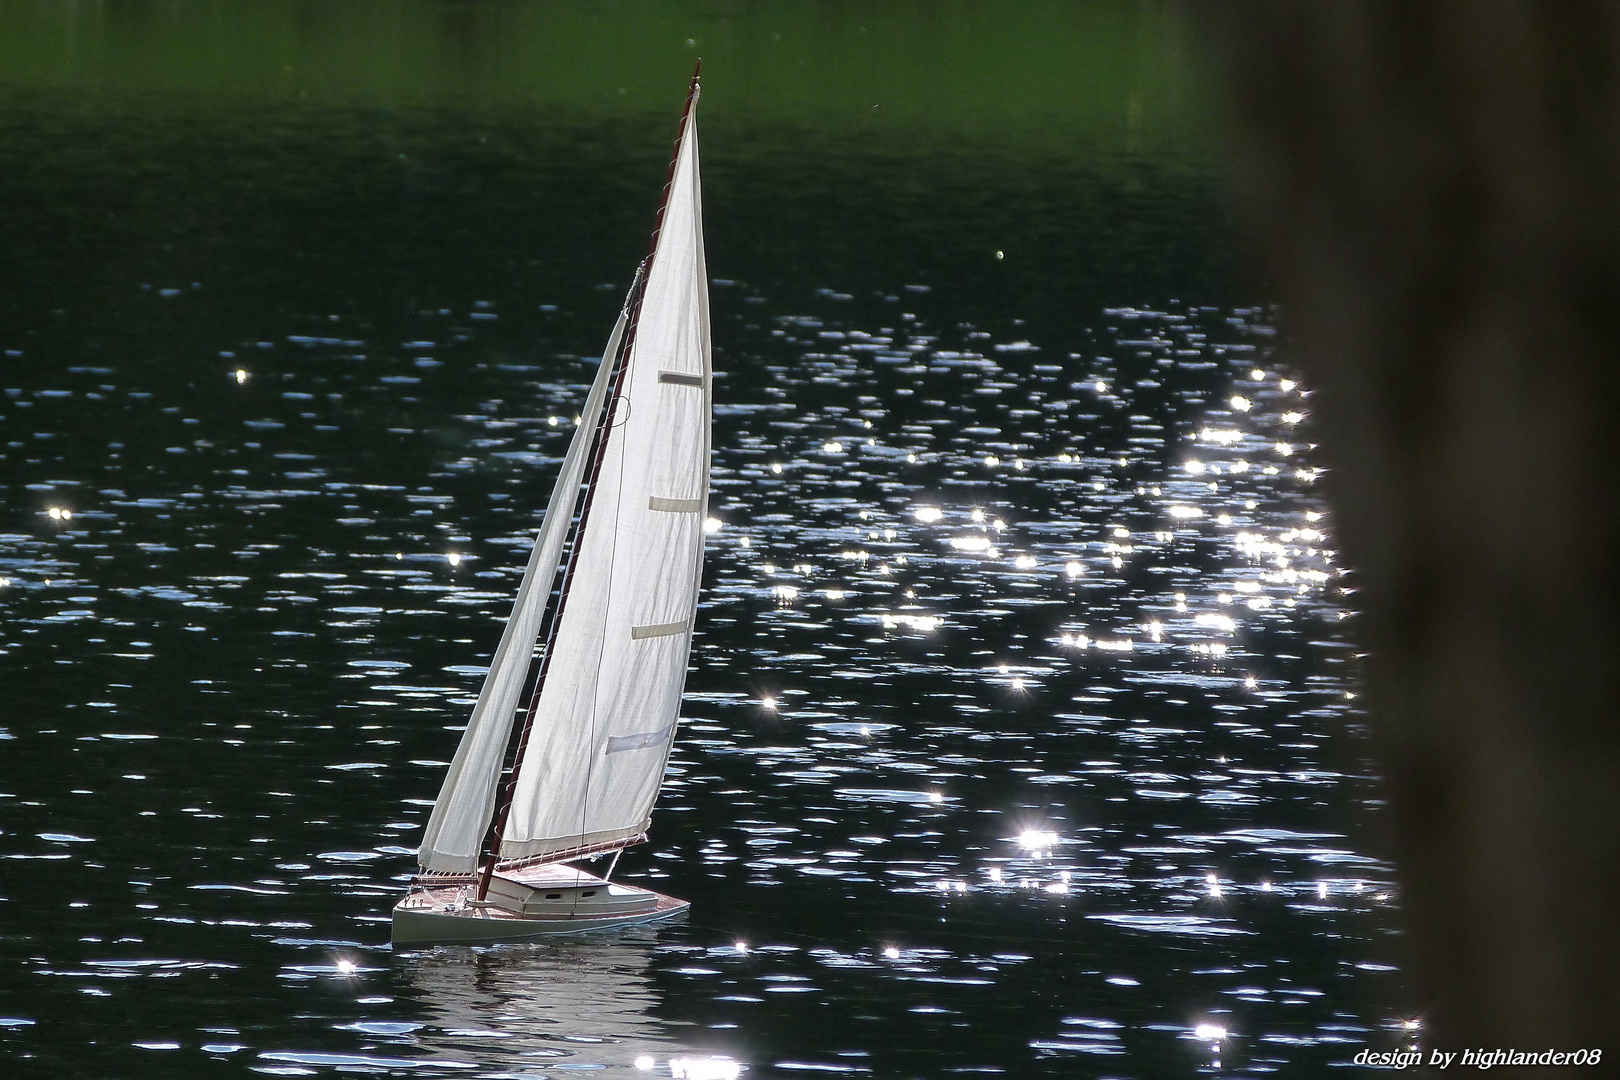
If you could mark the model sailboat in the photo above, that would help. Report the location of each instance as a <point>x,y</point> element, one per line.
<point>594,655</point>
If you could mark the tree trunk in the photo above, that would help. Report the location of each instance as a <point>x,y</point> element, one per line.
<point>1435,188</point>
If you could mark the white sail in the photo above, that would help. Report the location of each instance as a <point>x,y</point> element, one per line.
<point>461,816</point>
<point>607,712</point>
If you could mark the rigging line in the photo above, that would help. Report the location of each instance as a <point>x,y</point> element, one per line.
<point>553,591</point>
<point>598,451</point>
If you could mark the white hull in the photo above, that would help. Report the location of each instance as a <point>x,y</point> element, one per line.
<point>535,902</point>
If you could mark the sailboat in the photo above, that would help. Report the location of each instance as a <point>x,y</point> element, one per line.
<point>593,658</point>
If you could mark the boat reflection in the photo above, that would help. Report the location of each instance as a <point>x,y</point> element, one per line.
<point>585,1002</point>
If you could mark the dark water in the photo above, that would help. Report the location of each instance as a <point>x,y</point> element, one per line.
<point>953,485</point>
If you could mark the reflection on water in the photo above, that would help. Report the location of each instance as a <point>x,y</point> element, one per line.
<point>583,1003</point>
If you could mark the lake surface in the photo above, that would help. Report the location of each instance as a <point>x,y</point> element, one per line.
<point>1021,734</point>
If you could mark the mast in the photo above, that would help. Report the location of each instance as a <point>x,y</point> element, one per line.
<point>622,363</point>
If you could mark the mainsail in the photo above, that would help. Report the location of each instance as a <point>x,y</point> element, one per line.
<point>601,729</point>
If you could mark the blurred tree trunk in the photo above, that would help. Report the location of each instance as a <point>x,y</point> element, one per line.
<point>1435,188</point>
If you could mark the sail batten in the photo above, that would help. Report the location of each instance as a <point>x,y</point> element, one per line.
<point>669,629</point>
<point>674,506</point>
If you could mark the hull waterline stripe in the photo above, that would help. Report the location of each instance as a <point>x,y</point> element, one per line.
<point>680,378</point>
<point>674,506</point>
<point>660,629</point>
<point>619,743</point>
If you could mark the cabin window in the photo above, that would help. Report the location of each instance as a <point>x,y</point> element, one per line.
<point>588,892</point>
<point>553,896</point>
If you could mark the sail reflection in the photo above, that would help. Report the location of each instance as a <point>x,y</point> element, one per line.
<point>583,1003</point>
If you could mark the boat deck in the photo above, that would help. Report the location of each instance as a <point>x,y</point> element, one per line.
<point>446,914</point>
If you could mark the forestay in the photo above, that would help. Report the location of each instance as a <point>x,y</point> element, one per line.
<point>455,831</point>
<point>607,711</point>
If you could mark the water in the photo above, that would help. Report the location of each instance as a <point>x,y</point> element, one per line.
<point>1013,744</point>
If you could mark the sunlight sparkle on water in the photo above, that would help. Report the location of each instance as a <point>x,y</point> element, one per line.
<point>706,1068</point>
<point>1210,1032</point>
<point>645,1063</point>
<point>922,623</point>
<point>928,514</point>
<point>1037,839</point>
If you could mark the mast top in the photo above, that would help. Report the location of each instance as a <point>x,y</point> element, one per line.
<point>675,157</point>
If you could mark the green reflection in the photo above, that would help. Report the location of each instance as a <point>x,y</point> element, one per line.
<point>1113,70</point>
